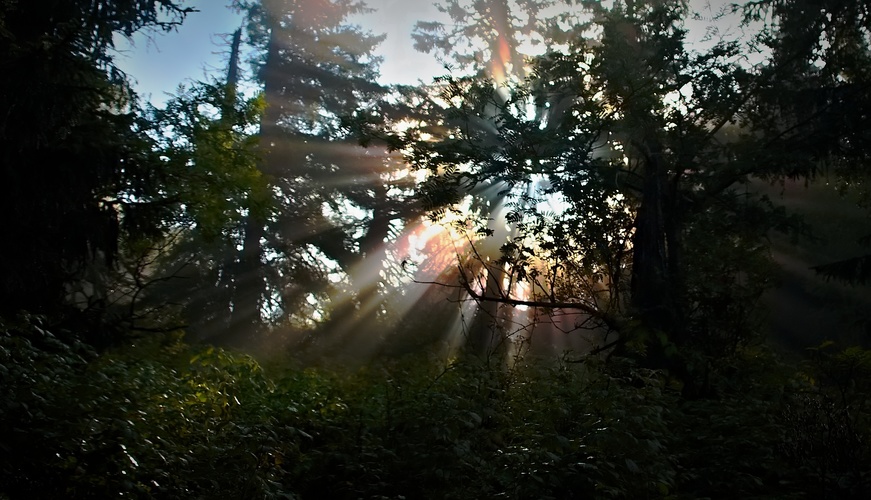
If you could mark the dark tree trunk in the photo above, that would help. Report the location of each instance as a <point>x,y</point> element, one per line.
<point>249,284</point>
<point>249,279</point>
<point>656,277</point>
<point>650,285</point>
<point>240,270</point>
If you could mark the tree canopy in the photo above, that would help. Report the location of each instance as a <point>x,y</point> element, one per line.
<point>630,158</point>
<point>75,162</point>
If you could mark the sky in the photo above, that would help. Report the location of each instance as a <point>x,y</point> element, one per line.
<point>199,49</point>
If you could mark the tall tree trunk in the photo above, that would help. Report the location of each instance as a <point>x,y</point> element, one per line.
<point>249,277</point>
<point>656,260</point>
<point>657,278</point>
<point>233,67</point>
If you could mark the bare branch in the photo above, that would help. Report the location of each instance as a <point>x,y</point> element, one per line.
<point>612,322</point>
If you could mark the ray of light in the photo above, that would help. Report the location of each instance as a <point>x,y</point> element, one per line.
<point>500,66</point>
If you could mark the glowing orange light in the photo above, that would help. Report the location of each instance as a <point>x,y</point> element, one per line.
<point>504,50</point>
<point>500,64</point>
<point>434,245</point>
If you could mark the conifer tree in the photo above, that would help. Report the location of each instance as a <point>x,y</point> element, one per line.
<point>317,70</point>
<point>75,165</point>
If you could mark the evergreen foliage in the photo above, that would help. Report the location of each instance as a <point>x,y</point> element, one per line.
<point>75,164</point>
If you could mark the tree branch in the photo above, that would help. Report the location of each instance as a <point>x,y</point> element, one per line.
<point>611,322</point>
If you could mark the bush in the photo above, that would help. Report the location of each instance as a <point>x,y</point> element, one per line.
<point>159,418</point>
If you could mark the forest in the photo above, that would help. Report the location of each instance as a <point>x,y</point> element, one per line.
<point>619,249</point>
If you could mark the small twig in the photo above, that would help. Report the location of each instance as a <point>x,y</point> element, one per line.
<point>439,283</point>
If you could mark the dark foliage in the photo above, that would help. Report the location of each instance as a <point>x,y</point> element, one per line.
<point>73,162</point>
<point>161,419</point>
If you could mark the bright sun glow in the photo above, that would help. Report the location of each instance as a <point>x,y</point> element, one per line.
<point>421,256</point>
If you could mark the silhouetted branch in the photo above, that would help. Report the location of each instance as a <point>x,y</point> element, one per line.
<point>610,321</point>
<point>855,271</point>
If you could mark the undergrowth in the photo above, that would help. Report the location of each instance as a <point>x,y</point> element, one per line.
<point>160,418</point>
